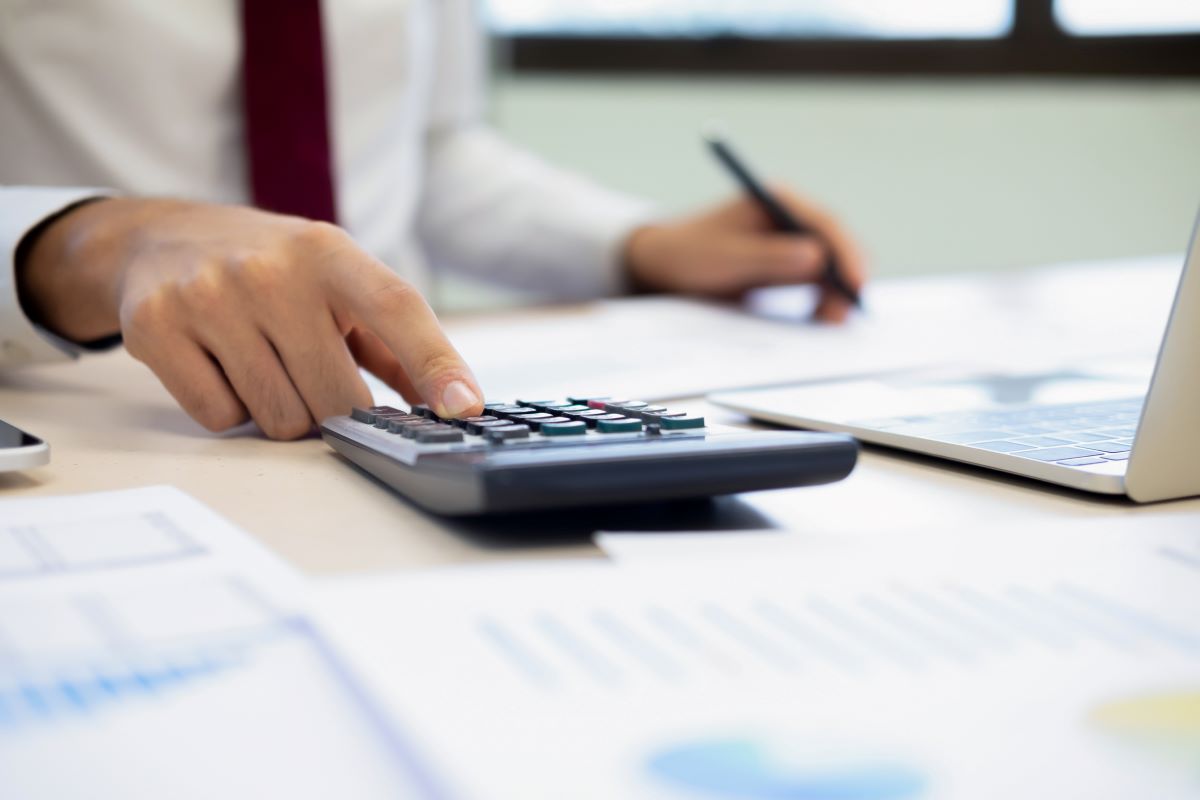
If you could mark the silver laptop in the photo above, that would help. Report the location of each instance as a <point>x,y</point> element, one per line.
<point>1092,428</point>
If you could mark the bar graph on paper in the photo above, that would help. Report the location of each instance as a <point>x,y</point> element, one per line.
<point>144,640</point>
<point>915,629</point>
<point>93,679</point>
<point>86,653</point>
<point>118,540</point>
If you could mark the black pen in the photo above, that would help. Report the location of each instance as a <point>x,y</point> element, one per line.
<point>781,218</point>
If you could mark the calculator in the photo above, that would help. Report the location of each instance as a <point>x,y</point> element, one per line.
<point>580,451</point>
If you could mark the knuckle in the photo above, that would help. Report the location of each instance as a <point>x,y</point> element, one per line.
<point>318,237</point>
<point>286,428</point>
<point>217,416</point>
<point>258,272</point>
<point>144,321</point>
<point>395,296</point>
<point>207,290</point>
<point>811,252</point>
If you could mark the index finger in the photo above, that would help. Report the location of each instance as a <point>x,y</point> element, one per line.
<point>397,313</point>
<point>849,257</point>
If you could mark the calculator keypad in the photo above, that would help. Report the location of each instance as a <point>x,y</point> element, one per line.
<point>574,420</point>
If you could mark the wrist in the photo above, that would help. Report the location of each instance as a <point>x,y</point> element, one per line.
<point>68,268</point>
<point>641,253</point>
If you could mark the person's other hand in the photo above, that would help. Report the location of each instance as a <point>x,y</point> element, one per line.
<point>241,313</point>
<point>732,248</point>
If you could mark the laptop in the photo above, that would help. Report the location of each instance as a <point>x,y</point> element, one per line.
<point>1097,427</point>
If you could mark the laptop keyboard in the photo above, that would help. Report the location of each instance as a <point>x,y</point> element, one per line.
<point>1074,435</point>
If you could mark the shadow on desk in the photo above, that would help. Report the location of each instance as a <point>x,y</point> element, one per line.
<point>577,525</point>
<point>573,525</point>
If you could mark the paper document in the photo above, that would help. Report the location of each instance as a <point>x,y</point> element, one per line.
<point>150,649</point>
<point>657,348</point>
<point>687,546</point>
<point>972,669</point>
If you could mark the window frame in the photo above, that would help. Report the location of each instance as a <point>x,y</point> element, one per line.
<point>1036,45</point>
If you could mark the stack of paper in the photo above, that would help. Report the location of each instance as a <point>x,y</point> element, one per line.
<point>950,667</point>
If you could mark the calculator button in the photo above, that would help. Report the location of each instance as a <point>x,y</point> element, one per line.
<point>537,424</point>
<point>367,415</point>
<point>409,429</point>
<point>477,428</point>
<point>513,412</point>
<point>536,415</point>
<point>503,433</point>
<point>423,411</point>
<point>438,434</point>
<point>384,420</point>
<point>568,408</point>
<point>396,424</point>
<point>584,416</point>
<point>537,405</point>
<point>467,422</point>
<point>657,416</point>
<point>550,408</point>
<point>622,425</point>
<point>615,406</point>
<point>593,421</point>
<point>583,400</point>
<point>565,428</point>
<point>626,405</point>
<point>599,403</point>
<point>650,413</point>
<point>685,422</point>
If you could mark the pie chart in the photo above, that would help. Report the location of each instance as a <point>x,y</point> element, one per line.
<point>753,769</point>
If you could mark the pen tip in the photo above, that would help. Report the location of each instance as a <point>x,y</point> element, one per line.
<point>712,131</point>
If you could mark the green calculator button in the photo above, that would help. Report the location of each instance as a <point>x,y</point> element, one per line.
<point>564,429</point>
<point>618,425</point>
<point>680,423</point>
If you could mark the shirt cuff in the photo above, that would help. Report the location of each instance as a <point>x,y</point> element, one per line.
<point>23,208</point>
<point>615,229</point>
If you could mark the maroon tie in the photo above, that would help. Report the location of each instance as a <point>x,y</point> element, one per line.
<point>287,125</point>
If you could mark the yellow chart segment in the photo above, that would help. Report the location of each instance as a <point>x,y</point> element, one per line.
<point>1175,714</point>
<point>1163,725</point>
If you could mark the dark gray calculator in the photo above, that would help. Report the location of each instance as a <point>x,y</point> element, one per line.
<point>581,451</point>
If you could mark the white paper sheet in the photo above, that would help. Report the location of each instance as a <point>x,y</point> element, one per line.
<point>150,649</point>
<point>651,547</point>
<point>967,669</point>
<point>657,348</point>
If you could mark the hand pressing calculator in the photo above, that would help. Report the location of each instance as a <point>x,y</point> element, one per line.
<point>582,451</point>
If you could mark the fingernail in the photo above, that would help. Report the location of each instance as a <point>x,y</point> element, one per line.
<point>457,398</point>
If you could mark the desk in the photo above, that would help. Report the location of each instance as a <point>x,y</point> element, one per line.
<point>111,425</point>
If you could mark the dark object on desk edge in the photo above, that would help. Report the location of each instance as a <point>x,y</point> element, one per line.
<point>783,220</point>
<point>487,472</point>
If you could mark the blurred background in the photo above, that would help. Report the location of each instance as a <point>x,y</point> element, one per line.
<point>950,135</point>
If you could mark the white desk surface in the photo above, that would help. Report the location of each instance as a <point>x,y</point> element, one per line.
<point>111,425</point>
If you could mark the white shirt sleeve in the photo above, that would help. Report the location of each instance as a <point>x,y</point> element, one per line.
<point>493,210</point>
<point>22,208</point>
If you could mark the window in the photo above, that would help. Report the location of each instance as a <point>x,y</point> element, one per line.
<point>883,37</point>
<point>1123,17</point>
<point>966,19</point>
